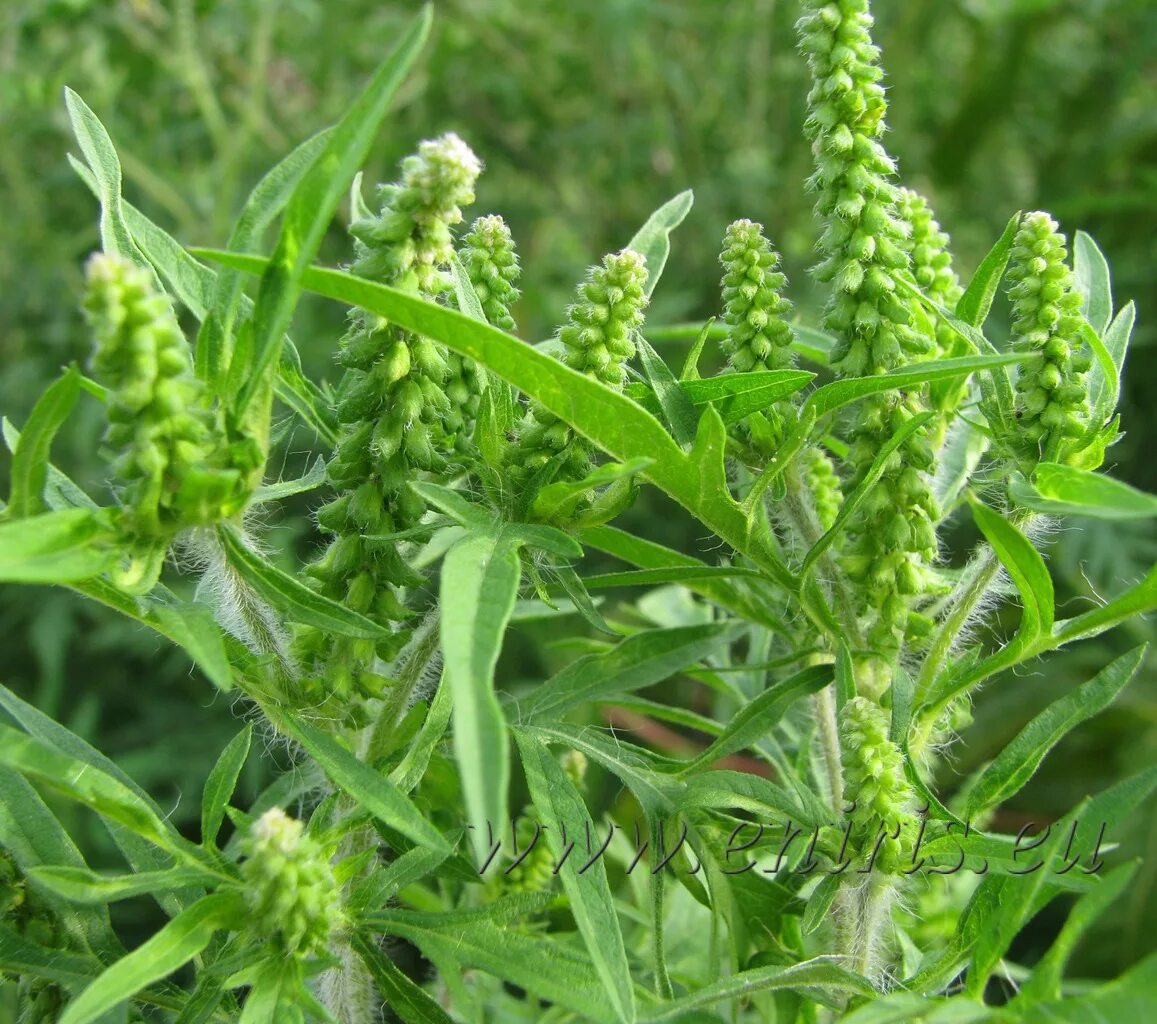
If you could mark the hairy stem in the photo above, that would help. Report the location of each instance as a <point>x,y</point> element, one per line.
<point>824,703</point>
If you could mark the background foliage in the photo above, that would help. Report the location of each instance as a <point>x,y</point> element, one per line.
<point>587,115</point>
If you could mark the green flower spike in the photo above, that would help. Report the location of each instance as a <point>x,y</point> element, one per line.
<point>395,414</point>
<point>874,778</point>
<point>491,263</point>
<point>756,313</point>
<point>865,248</point>
<point>599,338</point>
<point>488,256</point>
<point>1052,396</point>
<point>289,886</point>
<point>176,470</point>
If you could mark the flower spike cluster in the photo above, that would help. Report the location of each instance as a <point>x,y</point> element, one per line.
<point>865,246</point>
<point>599,336</point>
<point>177,470</point>
<point>396,416</point>
<point>1052,397</point>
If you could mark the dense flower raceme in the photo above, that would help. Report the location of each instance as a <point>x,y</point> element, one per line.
<point>599,338</point>
<point>1052,395</point>
<point>865,245</point>
<point>397,416</point>
<point>175,468</point>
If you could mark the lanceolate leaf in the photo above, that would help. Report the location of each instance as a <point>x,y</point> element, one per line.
<point>637,662</point>
<point>293,598</point>
<point>82,782</point>
<point>1018,761</point>
<point>221,783</point>
<point>1066,490</point>
<point>560,806</point>
<point>312,206</point>
<point>1091,278</point>
<point>373,791</point>
<point>174,945</point>
<point>30,459</point>
<point>815,976</point>
<point>678,410</point>
<point>102,159</point>
<point>403,996</point>
<point>653,239</point>
<point>480,578</point>
<point>738,395</point>
<point>1025,566</point>
<point>79,885</point>
<point>976,301</point>
<point>850,389</point>
<point>193,627</point>
<point>56,547</point>
<point>759,715</point>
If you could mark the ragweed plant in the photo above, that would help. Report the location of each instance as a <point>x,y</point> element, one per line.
<point>813,857</point>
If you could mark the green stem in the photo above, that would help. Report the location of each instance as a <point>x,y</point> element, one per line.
<point>825,708</point>
<point>875,899</point>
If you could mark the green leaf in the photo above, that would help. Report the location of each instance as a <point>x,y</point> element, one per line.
<point>192,626</point>
<point>683,576</point>
<point>653,239</point>
<point>816,977</point>
<point>1104,386</point>
<point>79,885</point>
<point>403,996</point>
<point>1091,279</point>
<point>813,345</point>
<point>1045,982</point>
<point>268,198</point>
<point>30,459</point>
<point>25,959</point>
<point>480,578</point>
<point>1066,490</point>
<point>559,500</point>
<point>819,903</point>
<point>639,661</point>
<point>312,480</point>
<point>32,836</point>
<point>1131,997</point>
<point>559,805</point>
<point>607,418</point>
<point>1025,566</point>
<point>369,789</point>
<point>311,208</point>
<point>755,718</point>
<point>1018,761</point>
<point>850,389</point>
<point>974,304</point>
<point>535,962</point>
<point>174,945</point>
<point>56,547</point>
<point>703,579</point>
<point>80,781</point>
<point>287,594</point>
<point>102,159</point>
<point>690,369</point>
<point>221,783</point>
<point>738,395</point>
<point>677,409</point>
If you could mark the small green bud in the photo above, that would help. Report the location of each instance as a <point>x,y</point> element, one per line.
<point>289,886</point>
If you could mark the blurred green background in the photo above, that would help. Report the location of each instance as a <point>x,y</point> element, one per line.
<point>587,115</point>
